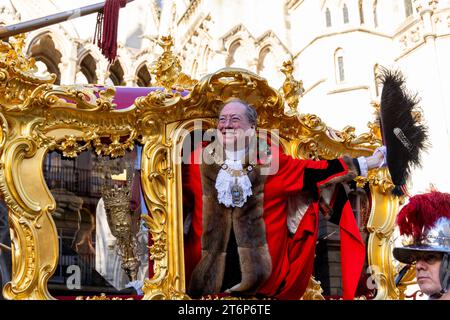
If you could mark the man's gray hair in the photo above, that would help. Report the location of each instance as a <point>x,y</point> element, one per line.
<point>250,111</point>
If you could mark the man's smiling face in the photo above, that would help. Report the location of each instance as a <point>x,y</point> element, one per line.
<point>233,125</point>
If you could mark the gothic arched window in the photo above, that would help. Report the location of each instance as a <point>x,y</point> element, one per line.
<point>262,61</point>
<point>345,13</point>
<point>375,14</point>
<point>47,56</point>
<point>144,78</point>
<point>361,12</point>
<point>267,67</point>
<point>87,71</point>
<point>115,75</point>
<point>237,55</point>
<point>328,17</point>
<point>339,65</point>
<point>408,8</point>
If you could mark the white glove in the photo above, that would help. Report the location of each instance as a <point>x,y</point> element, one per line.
<point>376,160</point>
<point>381,154</point>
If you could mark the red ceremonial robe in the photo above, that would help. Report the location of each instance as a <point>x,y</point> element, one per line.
<point>292,255</point>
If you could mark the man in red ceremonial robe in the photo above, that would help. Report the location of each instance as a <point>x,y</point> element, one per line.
<point>241,239</point>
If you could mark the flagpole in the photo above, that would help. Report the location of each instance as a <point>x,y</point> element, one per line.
<point>26,26</point>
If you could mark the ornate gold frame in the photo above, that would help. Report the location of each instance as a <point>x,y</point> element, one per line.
<point>37,116</point>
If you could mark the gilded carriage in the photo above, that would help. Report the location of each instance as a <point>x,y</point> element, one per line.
<point>39,118</point>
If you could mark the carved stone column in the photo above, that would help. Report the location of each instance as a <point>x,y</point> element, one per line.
<point>130,80</point>
<point>68,69</point>
<point>426,9</point>
<point>102,75</point>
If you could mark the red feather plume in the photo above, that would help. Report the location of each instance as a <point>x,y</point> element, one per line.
<point>422,212</point>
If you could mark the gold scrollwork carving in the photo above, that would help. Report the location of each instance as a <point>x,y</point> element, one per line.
<point>24,246</point>
<point>319,141</point>
<point>72,145</point>
<point>381,226</point>
<point>31,269</point>
<point>157,174</point>
<point>34,242</point>
<point>86,97</point>
<point>154,181</point>
<point>4,132</point>
<point>159,98</point>
<point>18,84</point>
<point>37,116</point>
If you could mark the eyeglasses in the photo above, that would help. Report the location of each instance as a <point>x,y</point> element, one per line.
<point>232,118</point>
<point>428,257</point>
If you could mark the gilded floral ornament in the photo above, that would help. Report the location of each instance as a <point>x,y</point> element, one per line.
<point>167,69</point>
<point>156,223</point>
<point>292,89</point>
<point>312,122</point>
<point>313,291</point>
<point>13,57</point>
<point>70,147</point>
<point>19,86</point>
<point>375,179</point>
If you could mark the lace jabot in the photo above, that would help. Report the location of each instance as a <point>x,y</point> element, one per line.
<point>225,181</point>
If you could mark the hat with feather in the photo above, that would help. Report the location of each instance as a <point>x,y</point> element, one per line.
<point>402,132</point>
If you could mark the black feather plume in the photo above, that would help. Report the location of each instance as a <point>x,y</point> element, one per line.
<point>403,135</point>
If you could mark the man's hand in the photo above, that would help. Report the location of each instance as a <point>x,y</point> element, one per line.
<point>376,160</point>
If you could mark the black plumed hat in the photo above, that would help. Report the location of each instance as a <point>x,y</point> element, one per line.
<point>402,131</point>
